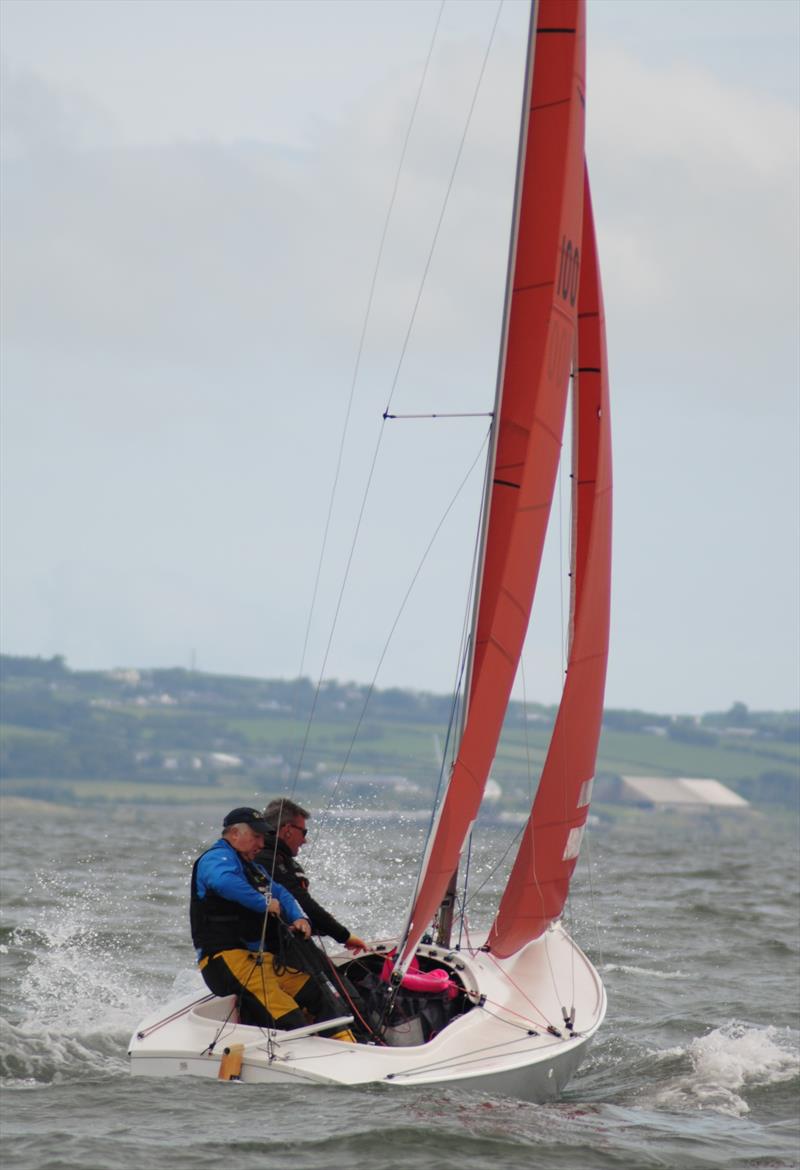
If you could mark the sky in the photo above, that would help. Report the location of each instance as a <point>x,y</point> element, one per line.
<point>193,201</point>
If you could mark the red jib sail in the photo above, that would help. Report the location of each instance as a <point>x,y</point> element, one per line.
<point>539,346</point>
<point>539,881</point>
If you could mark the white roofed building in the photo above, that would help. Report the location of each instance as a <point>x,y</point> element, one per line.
<point>678,792</point>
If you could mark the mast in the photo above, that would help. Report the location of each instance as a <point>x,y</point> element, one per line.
<point>529,429</point>
<point>447,907</point>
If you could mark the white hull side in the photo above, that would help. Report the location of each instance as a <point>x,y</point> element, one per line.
<point>489,1049</point>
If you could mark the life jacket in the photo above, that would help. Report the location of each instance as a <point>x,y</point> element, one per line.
<point>277,859</point>
<point>219,924</point>
<point>279,862</point>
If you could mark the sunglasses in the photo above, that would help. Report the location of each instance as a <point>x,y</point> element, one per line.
<point>300,829</point>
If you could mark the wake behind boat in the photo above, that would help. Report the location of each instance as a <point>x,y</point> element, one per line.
<point>514,1013</point>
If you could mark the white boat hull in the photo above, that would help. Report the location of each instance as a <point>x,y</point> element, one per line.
<point>500,1046</point>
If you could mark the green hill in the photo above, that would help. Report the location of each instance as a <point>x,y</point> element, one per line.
<point>178,735</point>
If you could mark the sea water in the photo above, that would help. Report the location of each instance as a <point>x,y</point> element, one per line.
<point>692,923</point>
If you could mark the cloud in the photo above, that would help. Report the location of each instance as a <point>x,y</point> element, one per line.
<point>209,253</point>
<point>696,187</point>
<point>38,117</point>
<point>181,318</point>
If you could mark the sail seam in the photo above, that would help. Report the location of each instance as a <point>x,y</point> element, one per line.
<point>573,821</point>
<point>506,593</point>
<point>556,436</point>
<point>587,657</point>
<point>501,650</point>
<point>519,288</point>
<point>551,105</point>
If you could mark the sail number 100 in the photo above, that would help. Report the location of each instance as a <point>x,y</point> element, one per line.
<point>567,283</point>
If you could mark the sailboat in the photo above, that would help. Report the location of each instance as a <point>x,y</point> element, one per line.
<point>514,1012</point>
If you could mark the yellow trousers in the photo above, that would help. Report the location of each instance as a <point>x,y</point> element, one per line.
<point>231,972</point>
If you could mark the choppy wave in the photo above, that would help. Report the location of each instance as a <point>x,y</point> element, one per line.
<point>54,1054</point>
<point>689,1070</point>
<point>73,978</point>
<point>722,1067</point>
<point>650,974</point>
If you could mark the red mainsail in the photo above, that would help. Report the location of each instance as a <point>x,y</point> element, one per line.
<point>541,328</point>
<point>539,881</point>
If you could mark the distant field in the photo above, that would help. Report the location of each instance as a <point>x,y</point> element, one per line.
<point>654,755</point>
<point>398,740</point>
<point>130,791</point>
<point>183,737</point>
<point>9,732</point>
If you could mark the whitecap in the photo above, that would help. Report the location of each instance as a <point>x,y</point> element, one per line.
<point>50,1055</point>
<point>81,969</point>
<point>628,970</point>
<point>727,1063</point>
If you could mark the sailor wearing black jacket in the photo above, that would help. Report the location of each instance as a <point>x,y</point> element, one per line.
<point>286,834</point>
<point>231,895</point>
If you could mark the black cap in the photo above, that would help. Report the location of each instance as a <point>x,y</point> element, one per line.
<point>246,816</point>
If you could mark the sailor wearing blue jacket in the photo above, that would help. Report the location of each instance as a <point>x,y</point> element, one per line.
<point>230,895</point>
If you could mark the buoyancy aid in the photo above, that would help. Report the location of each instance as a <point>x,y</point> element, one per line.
<point>219,924</point>
<point>281,864</point>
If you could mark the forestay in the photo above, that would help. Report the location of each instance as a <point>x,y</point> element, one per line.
<point>541,328</point>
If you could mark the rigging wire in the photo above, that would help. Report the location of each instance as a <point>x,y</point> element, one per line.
<point>574,391</point>
<point>463,910</point>
<point>528,827</point>
<point>530,788</point>
<point>466,897</point>
<point>528,761</point>
<point>345,992</point>
<point>445,203</point>
<point>364,327</point>
<point>458,697</point>
<point>474,893</point>
<point>588,838</point>
<point>357,366</point>
<point>561,763</point>
<point>474,1054</point>
<point>397,617</point>
<point>505,975</point>
<point>443,414</point>
<point>392,389</point>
